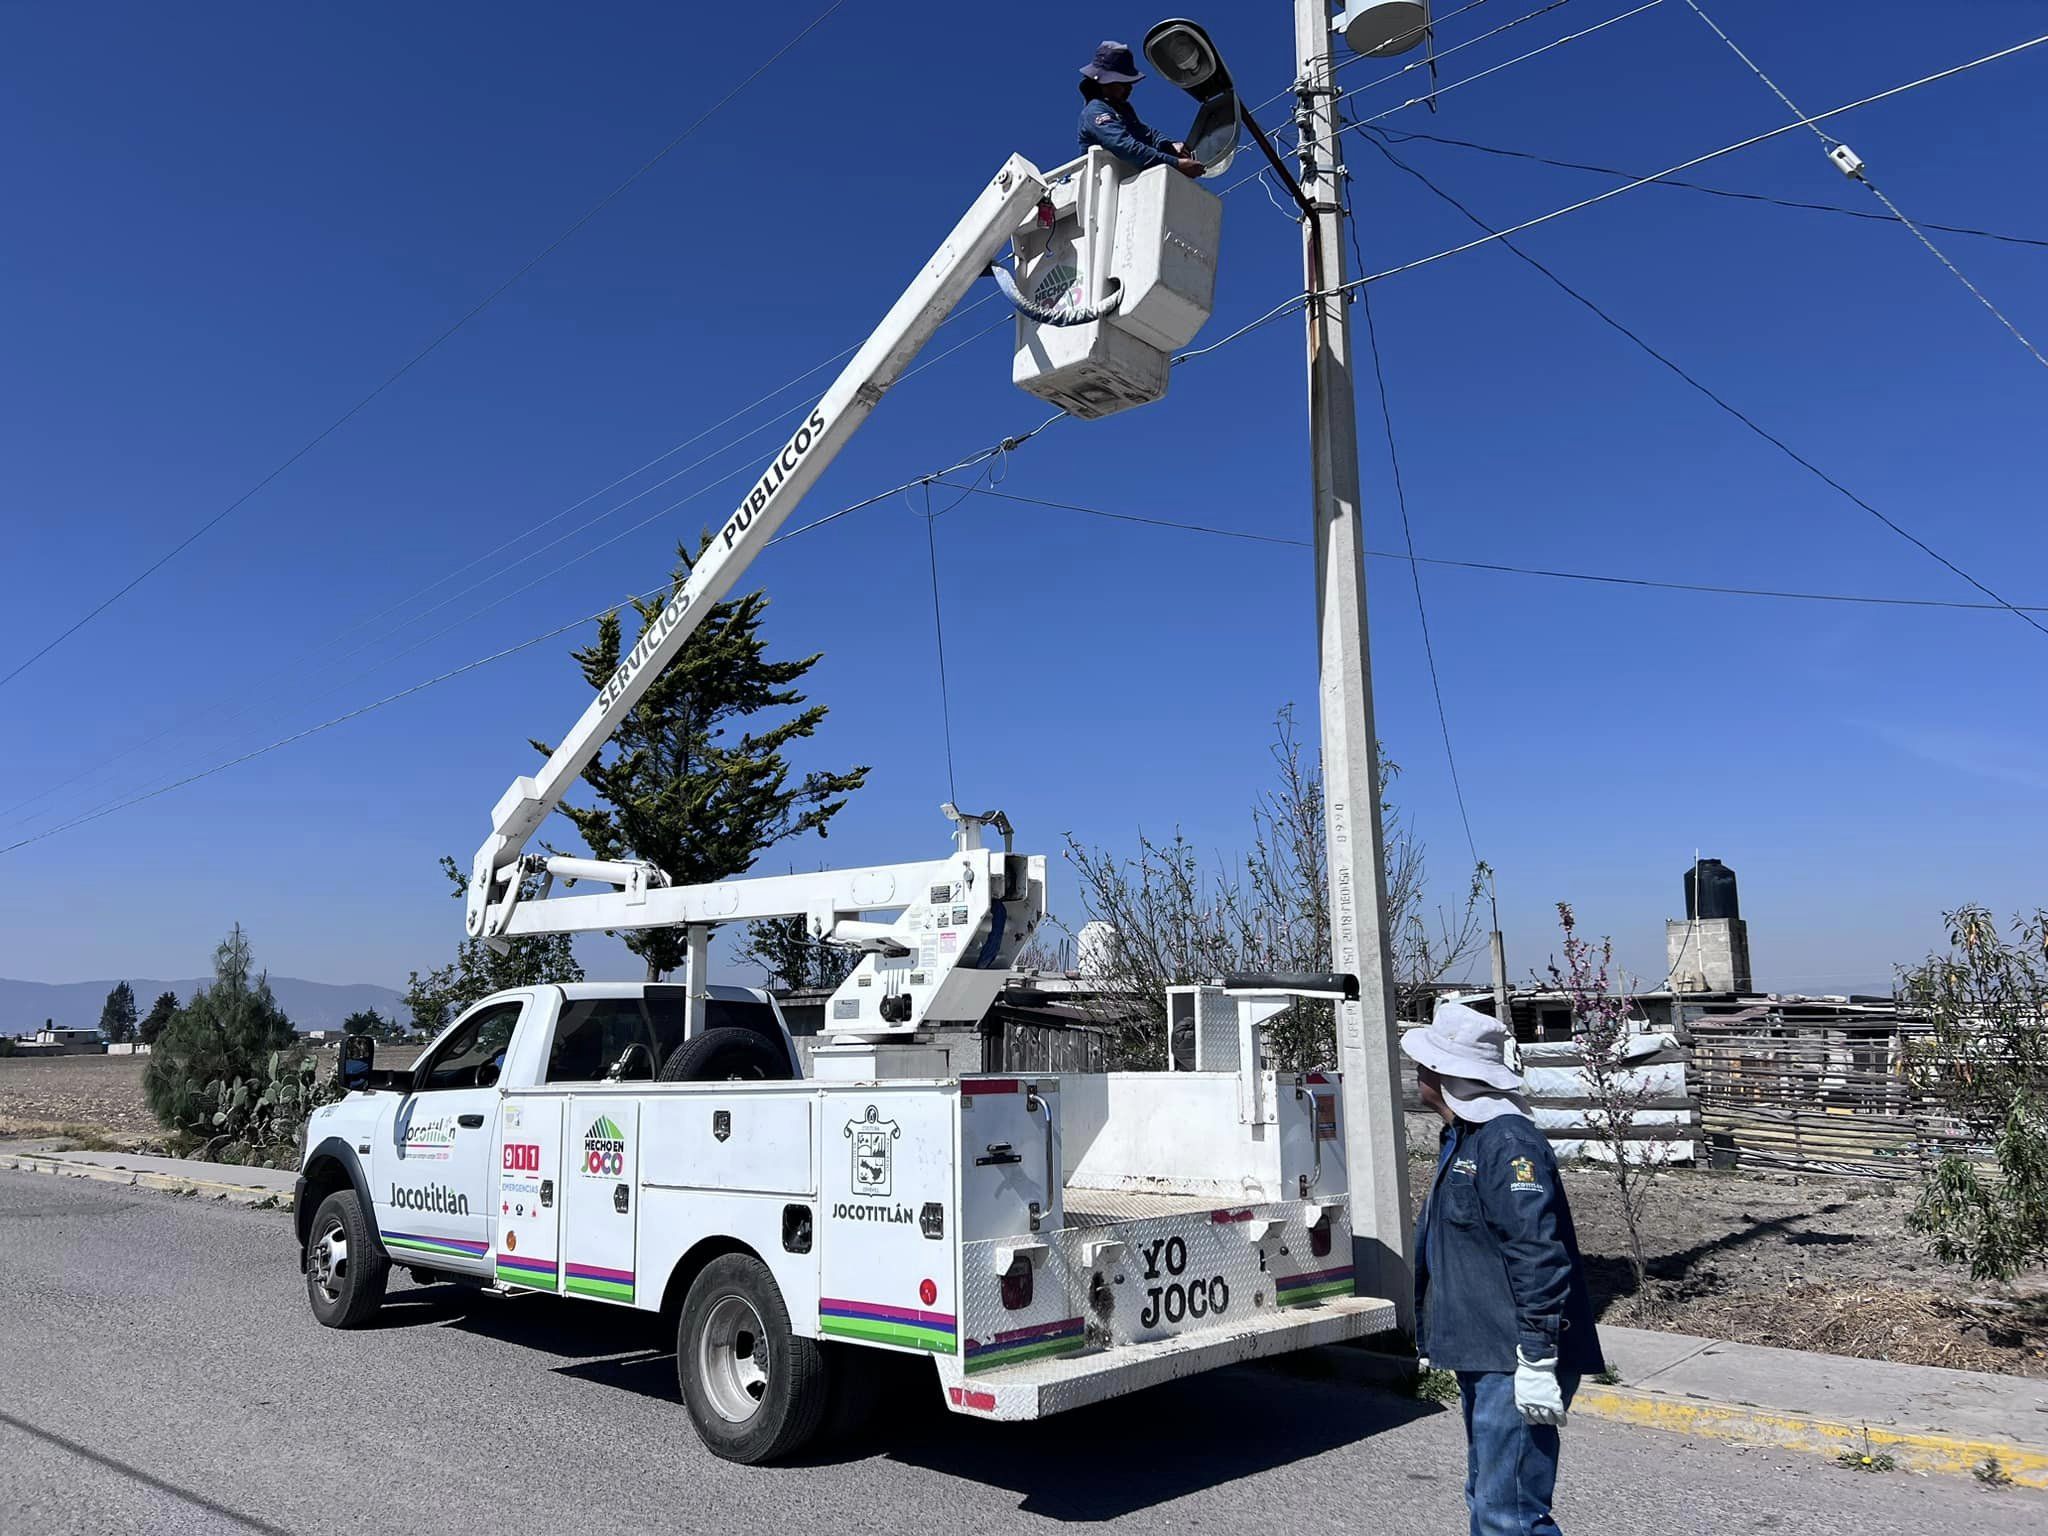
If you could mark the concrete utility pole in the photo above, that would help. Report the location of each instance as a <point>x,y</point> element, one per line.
<point>1376,1140</point>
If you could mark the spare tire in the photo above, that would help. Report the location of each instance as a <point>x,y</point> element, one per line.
<point>727,1055</point>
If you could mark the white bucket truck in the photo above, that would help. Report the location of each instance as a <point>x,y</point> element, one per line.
<point>1047,1241</point>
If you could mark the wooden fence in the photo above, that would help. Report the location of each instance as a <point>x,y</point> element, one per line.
<point>1815,1087</point>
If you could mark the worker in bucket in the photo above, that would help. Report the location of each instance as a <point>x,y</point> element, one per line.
<point>1108,119</point>
<point>1500,1292</point>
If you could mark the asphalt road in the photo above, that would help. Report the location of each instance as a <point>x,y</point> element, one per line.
<point>159,1371</point>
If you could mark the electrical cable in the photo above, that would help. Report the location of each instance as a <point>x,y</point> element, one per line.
<point>939,630</point>
<point>1427,29</point>
<point>1444,90</point>
<point>548,575</point>
<point>1500,568</point>
<point>1776,442</point>
<point>251,700</point>
<point>424,352</point>
<point>1438,55</point>
<point>1405,135</point>
<point>1436,686</point>
<point>1851,165</point>
<point>998,450</point>
<point>1686,165</point>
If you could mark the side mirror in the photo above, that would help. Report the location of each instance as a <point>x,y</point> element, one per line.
<point>358,1054</point>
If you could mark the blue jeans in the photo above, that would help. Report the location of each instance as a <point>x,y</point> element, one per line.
<point>1510,1464</point>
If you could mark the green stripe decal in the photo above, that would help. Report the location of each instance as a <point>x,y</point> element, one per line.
<point>603,1290</point>
<point>1315,1292</point>
<point>427,1247</point>
<point>991,1359</point>
<point>875,1331</point>
<point>526,1277</point>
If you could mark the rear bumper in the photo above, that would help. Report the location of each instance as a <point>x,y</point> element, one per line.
<point>1038,1388</point>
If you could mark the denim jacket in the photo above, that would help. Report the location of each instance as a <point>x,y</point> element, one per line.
<point>1118,130</point>
<point>1496,1260</point>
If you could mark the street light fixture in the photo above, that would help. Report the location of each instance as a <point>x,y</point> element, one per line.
<point>1183,55</point>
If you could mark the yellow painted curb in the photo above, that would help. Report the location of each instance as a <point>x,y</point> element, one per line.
<point>1915,1450</point>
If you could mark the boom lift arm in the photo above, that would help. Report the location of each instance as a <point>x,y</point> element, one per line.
<point>968,252</point>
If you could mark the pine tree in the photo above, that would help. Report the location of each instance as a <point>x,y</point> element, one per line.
<point>158,1016</point>
<point>675,786</point>
<point>227,1031</point>
<point>117,1018</point>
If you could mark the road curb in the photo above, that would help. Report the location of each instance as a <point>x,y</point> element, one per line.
<point>1913,1449</point>
<point>176,1184</point>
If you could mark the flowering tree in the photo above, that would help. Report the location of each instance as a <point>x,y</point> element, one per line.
<point>1609,1047</point>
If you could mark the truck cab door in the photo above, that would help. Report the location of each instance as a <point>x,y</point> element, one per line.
<point>434,1175</point>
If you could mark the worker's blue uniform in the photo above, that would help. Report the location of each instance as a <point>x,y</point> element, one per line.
<point>1497,1272</point>
<point>1117,129</point>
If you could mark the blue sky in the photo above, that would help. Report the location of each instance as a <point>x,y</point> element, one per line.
<point>227,224</point>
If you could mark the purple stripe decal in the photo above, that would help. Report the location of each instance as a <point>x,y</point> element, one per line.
<point>479,1249</point>
<point>599,1272</point>
<point>516,1261</point>
<point>832,1306</point>
<point>1314,1277</point>
<point>1039,1334</point>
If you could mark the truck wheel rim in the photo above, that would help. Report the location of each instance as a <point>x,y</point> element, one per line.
<point>330,1261</point>
<point>732,1359</point>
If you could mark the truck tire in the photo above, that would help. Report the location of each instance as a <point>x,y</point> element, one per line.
<point>727,1055</point>
<point>346,1269</point>
<point>755,1390</point>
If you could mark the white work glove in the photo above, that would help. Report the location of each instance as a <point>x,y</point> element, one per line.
<point>1537,1393</point>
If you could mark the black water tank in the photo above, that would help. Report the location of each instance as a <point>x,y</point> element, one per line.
<point>1710,891</point>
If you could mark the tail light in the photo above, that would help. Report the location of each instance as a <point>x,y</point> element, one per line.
<point>1319,1238</point>
<point>1017,1284</point>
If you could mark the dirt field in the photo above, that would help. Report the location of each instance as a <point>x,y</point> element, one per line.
<point>1818,1264</point>
<point>40,1095</point>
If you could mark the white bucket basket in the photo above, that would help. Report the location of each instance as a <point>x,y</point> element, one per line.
<point>1142,242</point>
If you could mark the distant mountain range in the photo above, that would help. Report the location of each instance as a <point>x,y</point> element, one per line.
<point>308,1004</point>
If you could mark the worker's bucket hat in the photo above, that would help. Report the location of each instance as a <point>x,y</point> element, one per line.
<point>1463,1042</point>
<point>1113,65</point>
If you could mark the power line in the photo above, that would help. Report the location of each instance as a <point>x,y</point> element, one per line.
<point>1405,135</point>
<point>1428,30</point>
<point>1851,165</point>
<point>1435,56</point>
<point>931,539</point>
<point>1501,568</point>
<point>1686,165</point>
<point>997,450</point>
<point>252,700</point>
<point>1776,442</point>
<point>507,595</point>
<point>1436,91</point>
<point>424,352</point>
<point>1436,687</point>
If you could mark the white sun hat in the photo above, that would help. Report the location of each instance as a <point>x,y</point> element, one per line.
<point>1462,1042</point>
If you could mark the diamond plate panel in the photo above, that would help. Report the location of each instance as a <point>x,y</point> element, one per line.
<point>1216,1048</point>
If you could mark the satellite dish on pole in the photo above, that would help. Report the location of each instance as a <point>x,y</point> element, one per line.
<point>1383,28</point>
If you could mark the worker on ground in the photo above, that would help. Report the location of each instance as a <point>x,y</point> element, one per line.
<point>1500,1293</point>
<point>1107,118</point>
